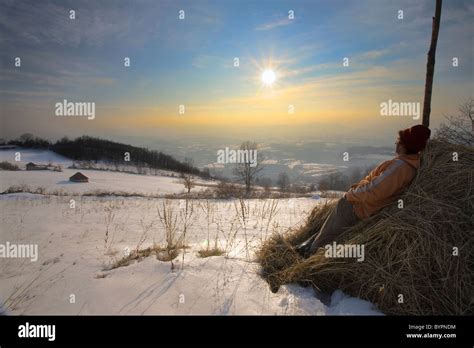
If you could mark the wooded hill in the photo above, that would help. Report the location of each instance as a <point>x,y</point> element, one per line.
<point>86,148</point>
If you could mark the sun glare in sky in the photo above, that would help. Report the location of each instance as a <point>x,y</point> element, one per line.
<point>268,77</point>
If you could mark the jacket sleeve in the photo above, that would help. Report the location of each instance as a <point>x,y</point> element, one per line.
<point>387,183</point>
<point>373,173</point>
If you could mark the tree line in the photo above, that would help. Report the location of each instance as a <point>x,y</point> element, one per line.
<point>86,148</point>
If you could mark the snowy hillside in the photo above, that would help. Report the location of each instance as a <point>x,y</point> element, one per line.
<point>34,155</point>
<point>54,182</point>
<point>81,247</point>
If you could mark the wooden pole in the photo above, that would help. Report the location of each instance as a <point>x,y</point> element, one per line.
<point>430,64</point>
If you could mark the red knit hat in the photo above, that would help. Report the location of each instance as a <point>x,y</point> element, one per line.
<point>415,138</point>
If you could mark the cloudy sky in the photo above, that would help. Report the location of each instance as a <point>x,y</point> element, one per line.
<point>191,62</point>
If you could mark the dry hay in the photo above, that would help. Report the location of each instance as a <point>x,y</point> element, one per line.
<point>408,251</point>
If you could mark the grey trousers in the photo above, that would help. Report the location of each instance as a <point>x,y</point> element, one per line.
<point>339,219</point>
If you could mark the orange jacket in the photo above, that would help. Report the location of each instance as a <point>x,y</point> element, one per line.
<point>383,185</point>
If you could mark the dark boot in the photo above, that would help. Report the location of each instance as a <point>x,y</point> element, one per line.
<point>304,248</point>
<point>322,296</point>
<point>274,286</point>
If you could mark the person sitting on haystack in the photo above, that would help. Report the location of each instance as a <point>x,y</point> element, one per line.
<point>381,187</point>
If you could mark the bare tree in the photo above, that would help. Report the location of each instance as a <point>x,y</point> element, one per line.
<point>430,64</point>
<point>248,169</point>
<point>188,182</point>
<point>283,181</point>
<point>459,129</point>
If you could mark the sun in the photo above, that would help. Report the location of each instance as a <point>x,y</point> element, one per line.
<point>268,74</point>
<point>268,77</point>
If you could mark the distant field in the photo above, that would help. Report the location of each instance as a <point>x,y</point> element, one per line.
<point>98,180</point>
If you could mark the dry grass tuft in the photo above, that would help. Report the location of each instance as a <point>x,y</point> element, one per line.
<point>210,252</point>
<point>165,254</point>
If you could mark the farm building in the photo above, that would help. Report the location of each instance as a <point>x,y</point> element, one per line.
<point>33,166</point>
<point>79,177</point>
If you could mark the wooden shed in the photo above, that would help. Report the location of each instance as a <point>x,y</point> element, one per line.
<point>79,177</point>
<point>34,166</point>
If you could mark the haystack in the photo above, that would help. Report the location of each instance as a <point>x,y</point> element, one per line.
<point>418,259</point>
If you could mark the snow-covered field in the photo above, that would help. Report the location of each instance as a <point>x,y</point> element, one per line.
<point>108,181</point>
<point>54,182</point>
<point>73,258</point>
<point>79,240</point>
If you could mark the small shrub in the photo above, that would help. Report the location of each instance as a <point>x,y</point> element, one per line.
<point>17,189</point>
<point>210,252</point>
<point>228,190</point>
<point>8,166</point>
<point>167,254</point>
